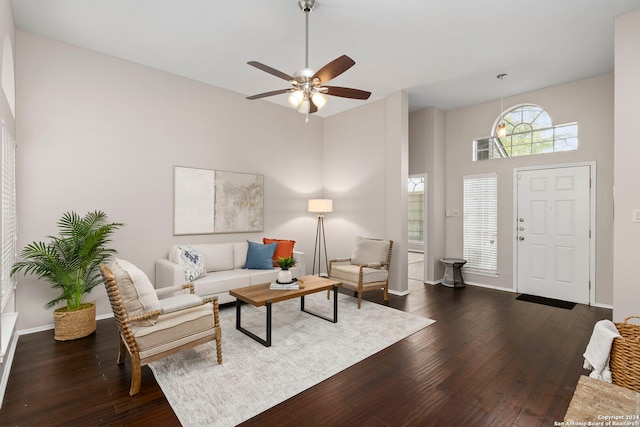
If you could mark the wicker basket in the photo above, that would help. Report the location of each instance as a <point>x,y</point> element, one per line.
<point>71,325</point>
<point>625,355</point>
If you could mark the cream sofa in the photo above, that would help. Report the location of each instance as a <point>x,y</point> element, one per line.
<point>224,263</point>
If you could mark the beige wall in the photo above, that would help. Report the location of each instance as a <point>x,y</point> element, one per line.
<point>365,172</point>
<point>588,102</point>
<point>626,288</point>
<point>96,132</point>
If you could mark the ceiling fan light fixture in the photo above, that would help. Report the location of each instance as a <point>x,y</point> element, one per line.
<point>307,94</point>
<point>319,100</point>
<point>305,106</point>
<point>295,98</point>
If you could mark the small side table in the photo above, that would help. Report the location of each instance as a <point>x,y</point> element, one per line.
<point>453,272</point>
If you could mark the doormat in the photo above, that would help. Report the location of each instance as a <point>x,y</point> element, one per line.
<point>546,301</point>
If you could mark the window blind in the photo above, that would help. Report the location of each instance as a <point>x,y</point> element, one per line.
<point>8,223</point>
<point>480,226</point>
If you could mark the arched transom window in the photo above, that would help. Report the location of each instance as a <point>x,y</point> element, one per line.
<point>529,130</point>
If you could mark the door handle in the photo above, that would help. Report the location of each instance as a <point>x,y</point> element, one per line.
<point>521,238</point>
<point>521,219</point>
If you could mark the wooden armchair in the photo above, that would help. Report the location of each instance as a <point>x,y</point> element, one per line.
<point>367,268</point>
<point>152,327</point>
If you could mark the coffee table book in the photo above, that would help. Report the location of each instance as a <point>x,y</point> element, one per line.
<point>284,286</point>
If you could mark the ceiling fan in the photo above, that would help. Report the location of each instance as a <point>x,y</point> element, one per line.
<point>308,90</point>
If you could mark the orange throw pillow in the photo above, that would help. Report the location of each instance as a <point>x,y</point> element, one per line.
<point>284,249</point>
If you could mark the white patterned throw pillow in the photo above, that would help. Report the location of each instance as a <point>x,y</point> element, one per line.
<point>192,261</point>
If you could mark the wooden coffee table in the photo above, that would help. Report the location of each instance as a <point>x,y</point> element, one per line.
<point>260,295</point>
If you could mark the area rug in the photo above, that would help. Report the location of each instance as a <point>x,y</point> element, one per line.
<point>305,351</point>
<point>546,301</point>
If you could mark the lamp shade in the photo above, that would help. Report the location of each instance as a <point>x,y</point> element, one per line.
<point>295,98</point>
<point>320,205</point>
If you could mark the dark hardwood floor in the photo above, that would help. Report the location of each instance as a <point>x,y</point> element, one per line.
<point>489,360</point>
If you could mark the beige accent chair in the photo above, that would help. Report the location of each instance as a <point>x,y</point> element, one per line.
<point>152,327</point>
<point>367,269</point>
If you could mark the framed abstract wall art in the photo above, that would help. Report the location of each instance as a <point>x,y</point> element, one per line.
<point>210,201</point>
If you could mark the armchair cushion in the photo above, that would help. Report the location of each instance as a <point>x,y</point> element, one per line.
<point>283,250</point>
<point>137,292</point>
<point>173,329</point>
<point>260,256</point>
<point>369,250</point>
<point>191,260</point>
<point>351,273</point>
<point>179,302</point>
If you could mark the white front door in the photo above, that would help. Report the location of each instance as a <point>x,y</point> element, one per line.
<point>553,217</point>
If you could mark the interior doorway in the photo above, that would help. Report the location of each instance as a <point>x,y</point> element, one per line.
<point>416,213</point>
<point>416,226</point>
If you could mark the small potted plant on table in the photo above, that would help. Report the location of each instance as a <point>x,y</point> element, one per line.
<point>284,275</point>
<point>70,262</point>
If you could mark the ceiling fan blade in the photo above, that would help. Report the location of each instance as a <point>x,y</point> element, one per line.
<point>312,108</point>
<point>347,92</point>
<point>270,70</point>
<point>334,68</point>
<point>264,95</point>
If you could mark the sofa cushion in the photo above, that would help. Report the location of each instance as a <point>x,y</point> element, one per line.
<point>191,260</point>
<point>136,291</point>
<point>240,254</point>
<point>222,281</point>
<point>369,250</point>
<point>260,256</point>
<point>283,250</point>
<point>217,256</point>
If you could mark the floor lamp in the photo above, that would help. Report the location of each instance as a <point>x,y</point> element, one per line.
<point>320,206</point>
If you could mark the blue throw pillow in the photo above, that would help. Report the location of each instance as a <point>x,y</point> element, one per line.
<point>260,257</point>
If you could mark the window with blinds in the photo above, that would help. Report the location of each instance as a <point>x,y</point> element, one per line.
<point>481,223</point>
<point>7,217</point>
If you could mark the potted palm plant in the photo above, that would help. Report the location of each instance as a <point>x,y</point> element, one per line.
<point>70,263</point>
<point>284,275</point>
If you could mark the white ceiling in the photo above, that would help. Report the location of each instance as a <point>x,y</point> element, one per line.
<point>444,53</point>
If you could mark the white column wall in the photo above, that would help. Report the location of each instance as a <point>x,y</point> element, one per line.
<point>626,284</point>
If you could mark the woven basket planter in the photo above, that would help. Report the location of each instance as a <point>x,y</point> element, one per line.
<point>625,355</point>
<point>71,325</point>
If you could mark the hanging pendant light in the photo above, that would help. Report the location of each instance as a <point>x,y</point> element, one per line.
<point>502,128</point>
